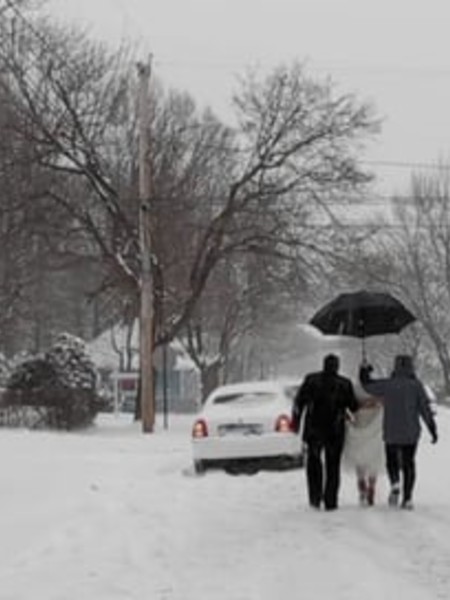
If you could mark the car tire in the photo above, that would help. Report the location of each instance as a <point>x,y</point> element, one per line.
<point>244,469</point>
<point>232,470</point>
<point>199,467</point>
<point>251,469</point>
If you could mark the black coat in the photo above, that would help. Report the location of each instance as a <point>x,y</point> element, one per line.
<point>326,398</point>
<point>405,402</point>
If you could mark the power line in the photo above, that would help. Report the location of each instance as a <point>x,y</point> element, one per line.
<point>379,199</point>
<point>375,227</point>
<point>382,163</point>
<point>407,165</point>
<point>223,64</point>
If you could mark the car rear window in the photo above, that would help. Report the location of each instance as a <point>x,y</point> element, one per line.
<point>245,398</point>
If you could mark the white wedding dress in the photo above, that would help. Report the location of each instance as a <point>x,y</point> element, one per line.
<point>363,448</point>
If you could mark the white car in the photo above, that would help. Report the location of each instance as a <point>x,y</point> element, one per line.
<point>245,427</point>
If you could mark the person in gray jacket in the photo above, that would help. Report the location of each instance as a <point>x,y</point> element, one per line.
<point>405,404</point>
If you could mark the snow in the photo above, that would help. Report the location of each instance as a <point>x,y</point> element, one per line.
<point>111,513</point>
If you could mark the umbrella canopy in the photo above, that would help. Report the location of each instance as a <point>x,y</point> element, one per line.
<point>362,314</point>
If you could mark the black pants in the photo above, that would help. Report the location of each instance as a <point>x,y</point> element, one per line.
<point>401,459</point>
<point>323,483</point>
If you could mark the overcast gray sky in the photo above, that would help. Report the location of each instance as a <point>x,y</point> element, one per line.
<point>395,53</point>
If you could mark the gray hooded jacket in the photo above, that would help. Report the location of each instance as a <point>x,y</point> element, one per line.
<point>405,402</point>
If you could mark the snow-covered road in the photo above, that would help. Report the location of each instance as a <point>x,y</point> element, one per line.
<point>111,514</point>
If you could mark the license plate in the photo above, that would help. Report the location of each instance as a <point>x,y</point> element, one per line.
<point>241,429</point>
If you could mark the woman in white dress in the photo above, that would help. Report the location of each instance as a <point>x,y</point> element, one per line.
<point>363,449</point>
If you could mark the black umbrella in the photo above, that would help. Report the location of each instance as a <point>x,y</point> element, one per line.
<point>362,314</point>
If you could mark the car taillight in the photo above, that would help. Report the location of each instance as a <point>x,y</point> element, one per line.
<point>283,424</point>
<point>200,429</point>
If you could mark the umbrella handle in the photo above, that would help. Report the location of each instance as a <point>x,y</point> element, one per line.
<point>363,349</point>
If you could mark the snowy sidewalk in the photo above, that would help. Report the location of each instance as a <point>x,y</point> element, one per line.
<point>108,514</point>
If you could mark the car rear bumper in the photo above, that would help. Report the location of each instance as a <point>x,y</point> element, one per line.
<point>240,447</point>
<point>252,465</point>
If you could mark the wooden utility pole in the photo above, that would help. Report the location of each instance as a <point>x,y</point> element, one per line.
<point>146,299</point>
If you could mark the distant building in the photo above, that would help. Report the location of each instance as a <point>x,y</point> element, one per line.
<point>177,379</point>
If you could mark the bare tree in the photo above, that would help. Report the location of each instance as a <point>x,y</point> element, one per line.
<point>408,254</point>
<point>424,256</point>
<point>295,151</point>
<point>217,191</point>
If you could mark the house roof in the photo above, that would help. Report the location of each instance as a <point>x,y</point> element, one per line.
<point>110,347</point>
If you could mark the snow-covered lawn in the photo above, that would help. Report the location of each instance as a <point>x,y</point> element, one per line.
<point>111,514</point>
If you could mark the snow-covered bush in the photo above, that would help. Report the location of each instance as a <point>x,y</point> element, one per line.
<point>72,364</point>
<point>32,374</point>
<point>62,384</point>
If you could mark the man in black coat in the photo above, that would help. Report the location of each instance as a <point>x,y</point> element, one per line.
<point>328,398</point>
